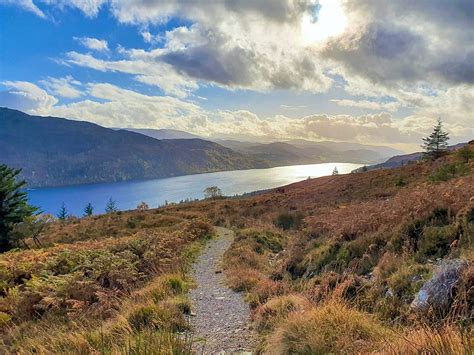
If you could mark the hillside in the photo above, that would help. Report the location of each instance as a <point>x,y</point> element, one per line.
<point>163,133</point>
<point>378,261</point>
<point>383,151</point>
<point>56,151</point>
<point>327,265</point>
<point>307,152</point>
<point>401,160</point>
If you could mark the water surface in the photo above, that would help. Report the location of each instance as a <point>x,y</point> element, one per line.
<point>155,192</point>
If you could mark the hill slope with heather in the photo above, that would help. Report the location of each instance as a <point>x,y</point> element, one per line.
<point>370,262</point>
<point>56,151</point>
<point>378,261</point>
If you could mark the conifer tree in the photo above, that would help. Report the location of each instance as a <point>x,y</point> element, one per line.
<point>14,207</point>
<point>88,210</point>
<point>62,213</point>
<point>335,171</point>
<point>111,206</point>
<point>436,144</point>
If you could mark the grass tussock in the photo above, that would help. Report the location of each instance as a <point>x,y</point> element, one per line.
<point>426,340</point>
<point>329,328</point>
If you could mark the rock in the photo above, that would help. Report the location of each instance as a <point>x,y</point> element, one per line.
<point>437,293</point>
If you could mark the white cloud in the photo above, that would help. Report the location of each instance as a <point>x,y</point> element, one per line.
<point>113,106</point>
<point>27,5</point>
<point>90,8</point>
<point>119,107</point>
<point>29,95</point>
<point>64,87</point>
<point>369,105</point>
<point>95,44</point>
<point>141,64</point>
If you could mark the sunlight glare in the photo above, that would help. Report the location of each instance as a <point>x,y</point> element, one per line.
<point>331,22</point>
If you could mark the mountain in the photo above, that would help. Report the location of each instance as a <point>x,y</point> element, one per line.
<point>347,146</point>
<point>163,133</point>
<point>307,152</point>
<point>55,151</point>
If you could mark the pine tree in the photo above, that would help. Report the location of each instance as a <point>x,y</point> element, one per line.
<point>436,144</point>
<point>88,210</point>
<point>111,206</point>
<point>335,171</point>
<point>14,207</point>
<point>62,213</point>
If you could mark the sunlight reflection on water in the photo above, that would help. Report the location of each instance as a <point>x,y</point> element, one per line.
<point>154,192</point>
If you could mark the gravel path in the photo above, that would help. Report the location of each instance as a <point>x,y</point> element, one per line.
<point>221,321</point>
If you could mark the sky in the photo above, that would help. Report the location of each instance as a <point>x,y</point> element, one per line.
<point>366,71</point>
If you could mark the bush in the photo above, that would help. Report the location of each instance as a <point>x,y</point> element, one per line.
<point>400,182</point>
<point>269,241</point>
<point>436,241</point>
<point>320,256</point>
<point>449,171</point>
<point>465,154</point>
<point>288,221</point>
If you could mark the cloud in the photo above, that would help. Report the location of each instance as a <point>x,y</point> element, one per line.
<point>64,87</point>
<point>90,8</point>
<point>113,106</point>
<point>25,96</point>
<point>402,43</point>
<point>252,45</point>
<point>369,105</point>
<point>27,5</point>
<point>142,66</point>
<point>95,44</point>
<point>392,56</point>
<point>292,107</point>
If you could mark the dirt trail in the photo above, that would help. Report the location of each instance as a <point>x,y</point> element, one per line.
<point>221,321</point>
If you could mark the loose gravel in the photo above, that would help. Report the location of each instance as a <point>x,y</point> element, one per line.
<point>221,318</point>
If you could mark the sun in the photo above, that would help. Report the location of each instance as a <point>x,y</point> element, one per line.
<point>331,21</point>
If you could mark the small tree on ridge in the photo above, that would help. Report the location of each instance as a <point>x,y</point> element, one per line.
<point>62,213</point>
<point>88,210</point>
<point>111,206</point>
<point>212,192</point>
<point>436,144</point>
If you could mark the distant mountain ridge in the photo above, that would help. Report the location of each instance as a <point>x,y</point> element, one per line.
<point>308,152</point>
<point>291,152</point>
<point>56,151</point>
<point>163,133</point>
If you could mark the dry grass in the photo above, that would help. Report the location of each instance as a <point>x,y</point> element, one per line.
<point>426,340</point>
<point>329,328</point>
<point>116,292</point>
<point>367,242</point>
<point>340,280</point>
